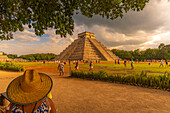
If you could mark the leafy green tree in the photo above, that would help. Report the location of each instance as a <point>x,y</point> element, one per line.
<point>123,54</point>
<point>161,46</point>
<point>163,52</point>
<point>13,56</point>
<point>57,14</point>
<point>150,54</point>
<point>39,56</point>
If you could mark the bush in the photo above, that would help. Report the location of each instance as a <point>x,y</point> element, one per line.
<point>11,67</point>
<point>142,79</point>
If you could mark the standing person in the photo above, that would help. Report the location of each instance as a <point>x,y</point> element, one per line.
<point>132,64</point>
<point>99,61</point>
<point>61,68</point>
<point>166,63</point>
<point>91,66</point>
<point>74,62</point>
<point>115,61</point>
<point>77,65</point>
<point>69,62</point>
<point>118,61</point>
<point>162,63</point>
<point>125,63</point>
<point>28,93</point>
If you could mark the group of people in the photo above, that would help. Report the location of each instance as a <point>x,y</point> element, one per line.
<point>162,63</point>
<point>132,63</point>
<point>91,66</point>
<point>61,67</point>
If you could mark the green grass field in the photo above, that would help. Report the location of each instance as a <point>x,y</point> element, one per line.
<point>110,67</point>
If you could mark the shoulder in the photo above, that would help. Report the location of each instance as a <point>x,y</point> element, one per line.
<point>51,104</point>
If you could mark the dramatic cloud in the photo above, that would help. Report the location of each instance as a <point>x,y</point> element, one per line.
<point>136,30</point>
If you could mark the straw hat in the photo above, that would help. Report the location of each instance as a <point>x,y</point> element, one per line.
<point>29,88</point>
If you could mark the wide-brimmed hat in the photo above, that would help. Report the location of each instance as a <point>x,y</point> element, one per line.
<point>29,88</point>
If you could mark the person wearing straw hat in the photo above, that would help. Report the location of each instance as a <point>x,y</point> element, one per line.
<point>28,93</point>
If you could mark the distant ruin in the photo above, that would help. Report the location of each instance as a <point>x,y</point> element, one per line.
<point>86,47</point>
<point>4,58</point>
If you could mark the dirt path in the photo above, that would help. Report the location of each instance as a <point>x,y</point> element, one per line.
<point>71,95</point>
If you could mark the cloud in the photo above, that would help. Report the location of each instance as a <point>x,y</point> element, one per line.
<point>26,36</point>
<point>53,44</point>
<point>134,30</point>
<point>151,18</point>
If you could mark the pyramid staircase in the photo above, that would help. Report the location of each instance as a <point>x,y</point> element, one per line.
<point>86,48</point>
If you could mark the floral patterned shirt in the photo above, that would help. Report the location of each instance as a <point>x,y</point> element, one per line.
<point>41,109</point>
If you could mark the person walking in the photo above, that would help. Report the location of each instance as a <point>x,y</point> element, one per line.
<point>28,93</point>
<point>125,63</point>
<point>77,65</point>
<point>166,63</point>
<point>91,66</point>
<point>61,68</point>
<point>132,64</point>
<point>162,63</point>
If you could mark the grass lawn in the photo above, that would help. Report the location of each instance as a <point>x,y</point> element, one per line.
<point>109,67</point>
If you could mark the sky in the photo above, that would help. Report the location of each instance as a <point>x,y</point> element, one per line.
<point>136,30</point>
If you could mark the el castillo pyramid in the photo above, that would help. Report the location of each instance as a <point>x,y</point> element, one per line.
<point>86,47</point>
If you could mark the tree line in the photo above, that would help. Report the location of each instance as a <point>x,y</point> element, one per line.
<point>162,52</point>
<point>41,56</point>
<point>38,56</point>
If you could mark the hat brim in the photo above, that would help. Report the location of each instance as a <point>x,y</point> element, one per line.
<point>18,96</point>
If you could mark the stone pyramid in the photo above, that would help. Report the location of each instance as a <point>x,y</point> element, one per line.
<point>86,47</point>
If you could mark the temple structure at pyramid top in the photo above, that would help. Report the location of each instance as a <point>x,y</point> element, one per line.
<point>86,47</point>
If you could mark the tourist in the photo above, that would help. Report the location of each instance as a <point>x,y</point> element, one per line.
<point>162,63</point>
<point>44,62</point>
<point>69,62</point>
<point>166,63</point>
<point>74,62</point>
<point>115,61</point>
<point>132,64</point>
<point>149,63</point>
<point>125,63</point>
<point>77,65</point>
<point>61,68</point>
<point>118,61</point>
<point>99,61</point>
<point>91,66</point>
<point>28,93</point>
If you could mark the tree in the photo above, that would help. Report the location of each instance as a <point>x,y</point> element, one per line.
<point>136,54</point>
<point>13,56</point>
<point>122,54</point>
<point>57,14</point>
<point>161,46</point>
<point>39,56</point>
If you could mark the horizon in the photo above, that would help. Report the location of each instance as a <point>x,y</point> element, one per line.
<point>136,30</point>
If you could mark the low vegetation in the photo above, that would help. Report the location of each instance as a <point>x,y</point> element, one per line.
<point>158,82</point>
<point>11,67</point>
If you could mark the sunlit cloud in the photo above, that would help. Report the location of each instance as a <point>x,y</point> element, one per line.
<point>26,36</point>
<point>136,30</point>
